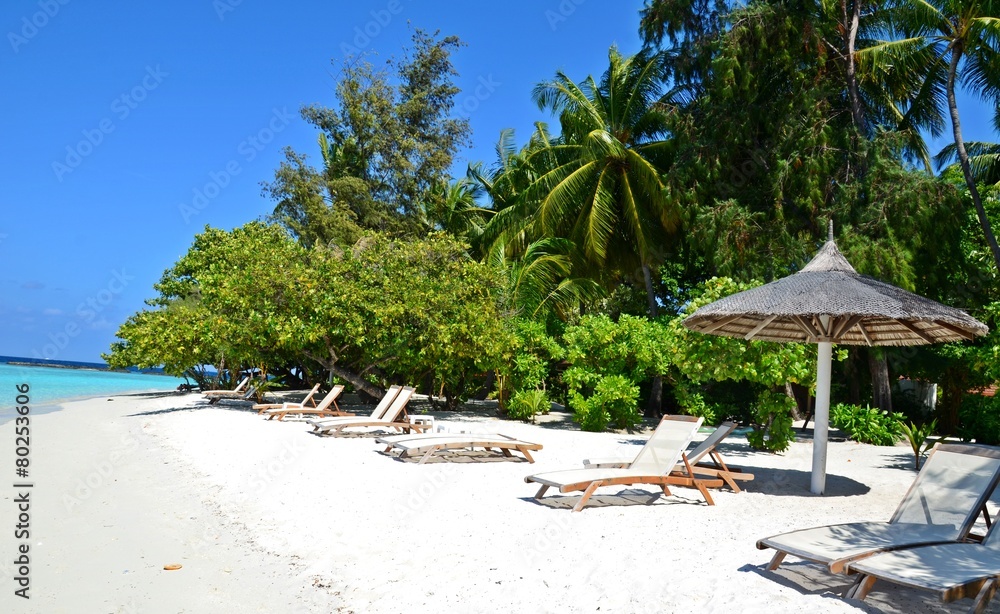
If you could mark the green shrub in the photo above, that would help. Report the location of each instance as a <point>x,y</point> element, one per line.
<point>693,404</point>
<point>772,428</point>
<point>868,424</point>
<point>526,404</point>
<point>614,401</point>
<point>979,419</point>
<point>917,436</point>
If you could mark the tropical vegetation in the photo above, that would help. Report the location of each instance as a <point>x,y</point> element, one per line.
<point>707,162</point>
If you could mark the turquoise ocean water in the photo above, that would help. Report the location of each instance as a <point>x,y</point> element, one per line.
<point>49,386</point>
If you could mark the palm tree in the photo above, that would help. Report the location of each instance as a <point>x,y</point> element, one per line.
<point>599,183</point>
<point>944,43</point>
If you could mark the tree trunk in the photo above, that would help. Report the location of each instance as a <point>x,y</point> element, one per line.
<point>850,24</point>
<point>881,390</point>
<point>357,381</point>
<point>963,157</point>
<point>852,375</point>
<point>949,404</point>
<point>655,404</point>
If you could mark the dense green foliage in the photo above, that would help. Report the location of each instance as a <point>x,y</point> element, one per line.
<point>867,424</point>
<point>707,163</point>
<point>416,311</point>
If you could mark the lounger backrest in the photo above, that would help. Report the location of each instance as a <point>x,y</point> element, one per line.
<point>992,539</point>
<point>666,445</point>
<point>387,398</point>
<point>312,392</point>
<point>951,488</point>
<point>398,405</point>
<point>711,441</point>
<point>243,382</point>
<point>330,397</point>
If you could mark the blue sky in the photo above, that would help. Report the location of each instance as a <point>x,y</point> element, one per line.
<point>129,128</point>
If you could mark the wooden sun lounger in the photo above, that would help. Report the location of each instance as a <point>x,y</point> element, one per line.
<point>239,392</point>
<point>716,468</point>
<point>653,465</point>
<point>309,400</point>
<point>953,571</point>
<point>323,409</point>
<point>941,506</point>
<point>394,418</point>
<point>428,444</point>
<point>376,414</point>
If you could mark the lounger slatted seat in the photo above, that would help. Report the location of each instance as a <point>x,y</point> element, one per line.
<point>653,465</point>
<point>323,409</point>
<point>309,400</point>
<point>941,506</point>
<point>376,414</point>
<point>713,467</point>
<point>953,571</point>
<point>394,418</point>
<point>430,443</point>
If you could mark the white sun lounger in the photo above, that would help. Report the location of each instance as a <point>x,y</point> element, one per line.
<point>260,407</point>
<point>653,465</point>
<point>941,506</point>
<point>376,414</point>
<point>239,392</point>
<point>953,571</point>
<point>717,468</point>
<point>428,444</point>
<point>323,409</point>
<point>394,418</point>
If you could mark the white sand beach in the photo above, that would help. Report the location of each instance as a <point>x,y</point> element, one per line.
<point>265,517</point>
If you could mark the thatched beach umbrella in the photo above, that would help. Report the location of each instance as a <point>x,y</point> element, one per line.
<point>828,302</point>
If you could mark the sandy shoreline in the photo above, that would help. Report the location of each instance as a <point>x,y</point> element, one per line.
<point>265,517</point>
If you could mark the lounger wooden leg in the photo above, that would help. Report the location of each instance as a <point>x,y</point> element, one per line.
<point>527,455</point>
<point>729,481</point>
<point>541,491</point>
<point>704,492</point>
<point>862,586</point>
<point>428,455</point>
<point>504,451</point>
<point>586,496</point>
<point>983,598</point>
<point>776,561</point>
<point>666,491</point>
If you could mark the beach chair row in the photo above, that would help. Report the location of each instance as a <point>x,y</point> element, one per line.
<point>926,544</point>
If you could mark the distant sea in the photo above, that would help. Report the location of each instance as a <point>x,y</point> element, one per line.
<point>52,382</point>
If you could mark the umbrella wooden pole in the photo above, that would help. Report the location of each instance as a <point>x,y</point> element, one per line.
<point>821,419</point>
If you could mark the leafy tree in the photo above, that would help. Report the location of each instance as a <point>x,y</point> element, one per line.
<point>225,302</point>
<point>386,149</point>
<point>414,311</point>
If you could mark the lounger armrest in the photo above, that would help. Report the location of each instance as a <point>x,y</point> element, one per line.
<point>606,463</point>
